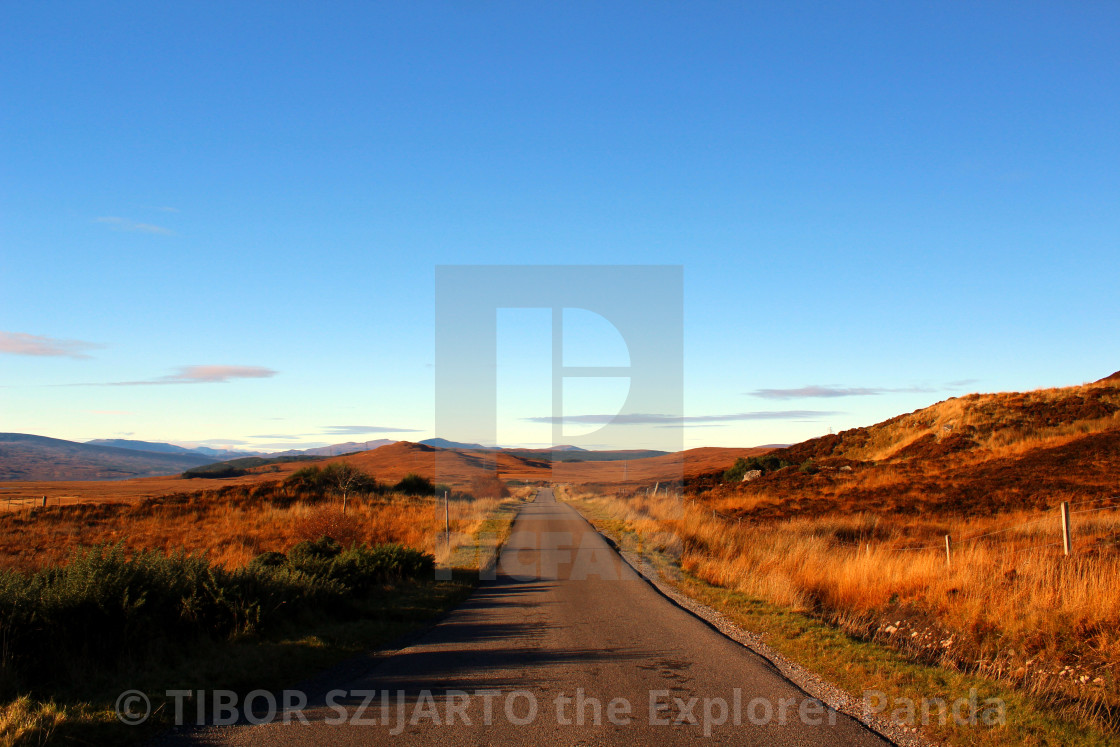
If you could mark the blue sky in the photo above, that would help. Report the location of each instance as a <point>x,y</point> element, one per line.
<point>876,205</point>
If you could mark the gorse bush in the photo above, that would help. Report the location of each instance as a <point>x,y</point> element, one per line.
<point>106,608</point>
<point>414,484</point>
<point>359,567</point>
<point>362,568</point>
<point>744,465</point>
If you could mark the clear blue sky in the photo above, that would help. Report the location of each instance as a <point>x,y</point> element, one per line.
<point>892,202</point>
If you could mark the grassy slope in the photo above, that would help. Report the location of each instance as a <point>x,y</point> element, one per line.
<point>971,455</point>
<point>84,713</point>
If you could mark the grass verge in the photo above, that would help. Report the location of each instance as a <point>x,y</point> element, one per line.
<point>859,666</point>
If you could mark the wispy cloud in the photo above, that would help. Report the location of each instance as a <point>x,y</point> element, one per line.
<point>290,446</point>
<point>204,375</point>
<point>353,430</point>
<point>695,425</point>
<point>817,391</point>
<point>123,224</point>
<point>18,343</point>
<point>961,383</point>
<point>676,420</point>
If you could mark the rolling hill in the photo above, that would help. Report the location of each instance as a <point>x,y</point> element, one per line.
<point>972,455</point>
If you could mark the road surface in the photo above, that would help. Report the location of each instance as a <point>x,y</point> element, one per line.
<point>566,646</point>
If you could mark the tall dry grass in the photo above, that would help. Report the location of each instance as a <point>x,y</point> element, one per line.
<point>232,530</point>
<point>1009,606</point>
<point>26,721</point>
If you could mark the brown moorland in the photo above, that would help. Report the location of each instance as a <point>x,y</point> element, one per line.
<point>852,531</point>
<point>972,455</point>
<point>455,467</point>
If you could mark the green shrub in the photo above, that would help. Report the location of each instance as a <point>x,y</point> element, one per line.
<point>414,484</point>
<point>307,480</point>
<point>742,466</point>
<point>314,557</point>
<point>214,472</point>
<point>104,607</point>
<point>269,559</point>
<point>359,568</point>
<point>362,568</point>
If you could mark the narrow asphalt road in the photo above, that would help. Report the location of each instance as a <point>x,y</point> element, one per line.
<point>567,646</point>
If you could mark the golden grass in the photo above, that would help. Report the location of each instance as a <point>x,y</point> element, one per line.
<point>26,721</point>
<point>1003,424</point>
<point>234,530</point>
<point>1010,606</point>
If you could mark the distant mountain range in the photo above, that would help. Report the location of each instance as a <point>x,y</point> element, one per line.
<point>162,448</point>
<point>333,450</point>
<point>38,458</point>
<point>443,443</point>
<point>221,455</point>
<point>26,457</point>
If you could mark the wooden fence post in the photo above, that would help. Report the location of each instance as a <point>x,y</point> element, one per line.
<point>1067,540</point>
<point>948,552</point>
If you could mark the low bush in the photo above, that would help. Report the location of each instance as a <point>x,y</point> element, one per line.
<point>809,467</point>
<point>489,486</point>
<point>414,484</point>
<point>346,528</point>
<point>359,567</point>
<point>743,465</point>
<point>105,608</point>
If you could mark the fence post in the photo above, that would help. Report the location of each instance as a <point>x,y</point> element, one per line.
<point>44,501</point>
<point>1067,540</point>
<point>447,523</point>
<point>948,552</point>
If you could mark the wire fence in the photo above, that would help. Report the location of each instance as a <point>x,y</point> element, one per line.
<point>16,503</point>
<point>949,544</point>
